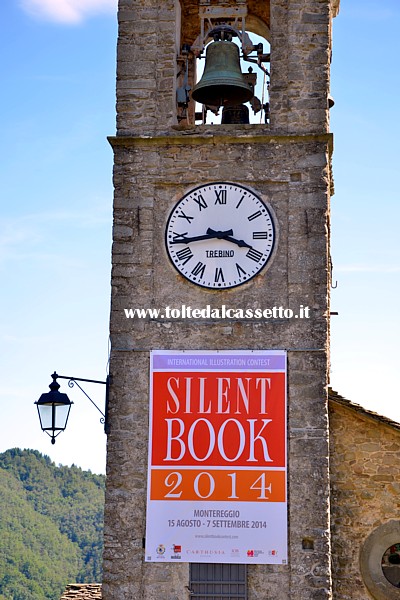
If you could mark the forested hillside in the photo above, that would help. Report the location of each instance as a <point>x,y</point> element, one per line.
<point>51,526</point>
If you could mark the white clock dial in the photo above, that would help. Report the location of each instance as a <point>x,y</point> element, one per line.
<point>220,235</point>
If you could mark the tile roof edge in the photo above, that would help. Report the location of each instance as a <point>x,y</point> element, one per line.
<point>335,397</point>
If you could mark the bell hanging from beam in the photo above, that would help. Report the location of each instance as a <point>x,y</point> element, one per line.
<point>222,83</point>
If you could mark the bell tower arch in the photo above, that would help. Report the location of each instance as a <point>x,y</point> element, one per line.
<point>171,170</point>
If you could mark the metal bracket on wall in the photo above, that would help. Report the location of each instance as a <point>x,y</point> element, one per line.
<point>212,16</point>
<point>72,381</point>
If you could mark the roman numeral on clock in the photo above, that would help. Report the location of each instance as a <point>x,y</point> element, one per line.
<point>221,196</point>
<point>178,237</point>
<point>184,255</point>
<point>254,255</point>
<point>182,215</point>
<point>241,272</point>
<point>260,235</point>
<point>240,202</point>
<point>219,276</point>
<point>254,215</point>
<point>198,270</point>
<point>200,202</point>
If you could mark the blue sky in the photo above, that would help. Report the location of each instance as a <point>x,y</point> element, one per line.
<point>58,106</point>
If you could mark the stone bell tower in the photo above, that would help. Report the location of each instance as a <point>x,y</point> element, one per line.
<point>173,172</point>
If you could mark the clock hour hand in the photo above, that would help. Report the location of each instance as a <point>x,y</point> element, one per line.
<point>227,235</point>
<point>210,235</point>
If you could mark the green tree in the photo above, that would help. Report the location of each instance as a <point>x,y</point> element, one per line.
<point>51,526</point>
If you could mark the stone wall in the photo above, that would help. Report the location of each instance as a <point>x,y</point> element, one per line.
<point>300,58</point>
<point>365,491</point>
<point>146,65</point>
<point>156,162</point>
<point>292,174</point>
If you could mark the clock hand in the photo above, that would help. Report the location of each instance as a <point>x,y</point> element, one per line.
<point>210,235</point>
<point>220,235</point>
<point>227,235</point>
<point>240,243</point>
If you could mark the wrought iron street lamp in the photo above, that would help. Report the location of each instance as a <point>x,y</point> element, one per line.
<point>54,406</point>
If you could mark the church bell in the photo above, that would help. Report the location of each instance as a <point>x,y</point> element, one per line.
<point>222,83</point>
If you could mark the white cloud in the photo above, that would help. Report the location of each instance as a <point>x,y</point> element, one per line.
<point>67,11</point>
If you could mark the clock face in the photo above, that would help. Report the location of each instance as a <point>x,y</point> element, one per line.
<point>220,235</point>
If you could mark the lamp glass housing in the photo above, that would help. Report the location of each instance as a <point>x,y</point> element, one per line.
<point>53,409</point>
<point>53,416</point>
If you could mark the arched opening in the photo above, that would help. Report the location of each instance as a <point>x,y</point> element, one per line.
<point>242,24</point>
<point>255,70</point>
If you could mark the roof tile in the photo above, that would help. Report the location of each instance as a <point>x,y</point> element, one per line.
<point>82,591</point>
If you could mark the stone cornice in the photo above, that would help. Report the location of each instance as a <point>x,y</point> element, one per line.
<point>335,7</point>
<point>204,136</point>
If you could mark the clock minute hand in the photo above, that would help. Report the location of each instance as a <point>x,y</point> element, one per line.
<point>240,243</point>
<point>210,235</point>
<point>227,235</point>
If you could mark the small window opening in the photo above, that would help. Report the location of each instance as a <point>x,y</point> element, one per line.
<point>218,581</point>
